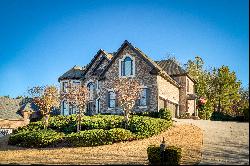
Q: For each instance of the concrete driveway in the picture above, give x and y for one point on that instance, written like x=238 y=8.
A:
x=224 y=142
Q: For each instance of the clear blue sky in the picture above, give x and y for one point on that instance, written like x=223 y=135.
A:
x=41 y=39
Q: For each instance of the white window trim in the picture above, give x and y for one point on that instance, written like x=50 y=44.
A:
x=96 y=105
x=61 y=84
x=120 y=61
x=111 y=90
x=143 y=106
x=86 y=84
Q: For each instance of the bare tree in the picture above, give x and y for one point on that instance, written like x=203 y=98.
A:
x=127 y=91
x=77 y=96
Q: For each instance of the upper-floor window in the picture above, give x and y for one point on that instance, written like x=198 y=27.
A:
x=76 y=83
x=127 y=66
x=111 y=99
x=143 y=97
x=187 y=85
x=91 y=88
x=64 y=86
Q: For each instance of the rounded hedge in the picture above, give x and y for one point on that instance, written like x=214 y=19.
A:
x=172 y=155
x=39 y=138
x=97 y=137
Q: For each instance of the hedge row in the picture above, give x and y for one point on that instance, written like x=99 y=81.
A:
x=95 y=137
x=145 y=127
x=39 y=138
x=163 y=113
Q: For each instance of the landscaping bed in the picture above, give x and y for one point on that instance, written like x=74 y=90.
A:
x=96 y=130
x=187 y=137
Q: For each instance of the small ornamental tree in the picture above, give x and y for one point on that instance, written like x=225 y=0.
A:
x=127 y=91
x=77 y=96
x=45 y=97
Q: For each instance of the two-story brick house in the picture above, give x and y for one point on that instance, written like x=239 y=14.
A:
x=164 y=83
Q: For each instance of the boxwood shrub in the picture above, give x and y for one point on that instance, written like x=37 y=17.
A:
x=145 y=127
x=119 y=134
x=172 y=155
x=165 y=113
x=39 y=138
x=97 y=137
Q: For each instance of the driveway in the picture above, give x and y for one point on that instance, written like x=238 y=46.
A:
x=224 y=142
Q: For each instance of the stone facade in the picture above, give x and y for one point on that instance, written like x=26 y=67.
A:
x=142 y=75
x=162 y=90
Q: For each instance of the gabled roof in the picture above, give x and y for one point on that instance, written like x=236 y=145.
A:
x=75 y=72
x=101 y=51
x=148 y=60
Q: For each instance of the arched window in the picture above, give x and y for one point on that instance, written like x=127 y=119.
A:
x=91 y=88
x=127 y=66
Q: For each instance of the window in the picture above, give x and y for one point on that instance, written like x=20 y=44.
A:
x=187 y=85
x=64 y=108
x=91 y=88
x=98 y=105
x=111 y=97
x=143 y=97
x=127 y=66
x=76 y=82
x=64 y=86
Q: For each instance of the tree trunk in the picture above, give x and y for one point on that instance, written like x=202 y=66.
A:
x=46 y=121
x=126 y=117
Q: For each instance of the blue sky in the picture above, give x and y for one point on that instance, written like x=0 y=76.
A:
x=41 y=39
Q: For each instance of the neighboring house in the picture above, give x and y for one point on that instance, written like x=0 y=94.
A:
x=15 y=113
x=164 y=83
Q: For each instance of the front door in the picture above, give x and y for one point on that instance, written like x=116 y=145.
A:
x=90 y=108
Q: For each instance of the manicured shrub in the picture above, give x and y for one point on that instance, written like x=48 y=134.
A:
x=220 y=116
x=93 y=137
x=145 y=127
x=172 y=155
x=165 y=113
x=39 y=138
x=33 y=126
x=97 y=137
x=119 y=134
x=154 y=154
x=105 y=122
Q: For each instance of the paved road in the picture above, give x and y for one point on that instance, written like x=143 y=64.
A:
x=224 y=142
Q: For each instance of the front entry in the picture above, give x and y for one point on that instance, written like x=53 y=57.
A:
x=90 y=108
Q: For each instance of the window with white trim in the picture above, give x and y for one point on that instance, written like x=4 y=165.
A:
x=127 y=66
x=98 y=105
x=76 y=82
x=64 y=108
x=91 y=88
x=64 y=86
x=111 y=99
x=143 y=97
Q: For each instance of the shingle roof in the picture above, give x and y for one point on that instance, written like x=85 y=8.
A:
x=171 y=67
x=76 y=72
x=9 y=108
x=12 y=108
